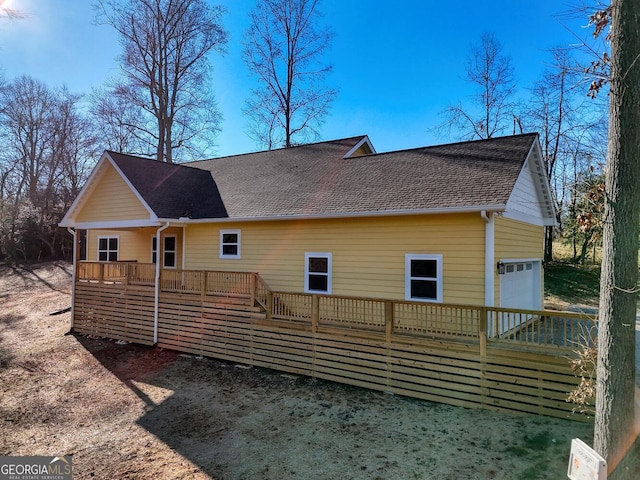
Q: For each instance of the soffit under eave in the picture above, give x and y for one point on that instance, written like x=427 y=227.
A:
x=543 y=187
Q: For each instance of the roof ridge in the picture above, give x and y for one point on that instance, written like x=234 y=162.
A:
x=359 y=137
x=156 y=162
x=479 y=140
x=453 y=144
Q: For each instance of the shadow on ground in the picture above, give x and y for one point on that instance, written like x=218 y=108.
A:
x=24 y=276
x=234 y=422
x=7 y=321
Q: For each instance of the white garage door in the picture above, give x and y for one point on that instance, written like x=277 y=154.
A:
x=520 y=285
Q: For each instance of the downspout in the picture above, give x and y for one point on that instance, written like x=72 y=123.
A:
x=156 y=306
x=184 y=243
x=73 y=233
x=489 y=258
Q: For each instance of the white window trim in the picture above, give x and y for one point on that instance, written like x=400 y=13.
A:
x=326 y=255
x=153 y=239
x=226 y=232
x=407 y=276
x=107 y=237
x=175 y=252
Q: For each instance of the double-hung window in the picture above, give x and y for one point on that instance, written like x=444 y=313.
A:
x=154 y=249
x=317 y=273
x=108 y=249
x=169 y=254
x=423 y=277
x=169 y=251
x=229 y=243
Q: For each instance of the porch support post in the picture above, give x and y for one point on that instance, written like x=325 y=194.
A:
x=74 y=275
x=156 y=306
x=489 y=265
x=489 y=258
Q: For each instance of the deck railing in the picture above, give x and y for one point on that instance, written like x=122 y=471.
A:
x=485 y=325
x=117 y=272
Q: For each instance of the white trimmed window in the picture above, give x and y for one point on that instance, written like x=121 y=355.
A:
x=154 y=249
x=317 y=273
x=169 y=251
x=108 y=249
x=423 y=277
x=229 y=243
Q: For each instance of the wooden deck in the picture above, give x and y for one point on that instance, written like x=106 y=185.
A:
x=443 y=353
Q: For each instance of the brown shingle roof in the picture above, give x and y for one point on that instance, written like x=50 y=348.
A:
x=171 y=190
x=315 y=179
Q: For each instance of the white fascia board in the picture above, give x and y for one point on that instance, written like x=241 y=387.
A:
x=365 y=140
x=143 y=222
x=380 y=213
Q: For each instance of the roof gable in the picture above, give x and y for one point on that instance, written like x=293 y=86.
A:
x=172 y=190
x=107 y=198
x=531 y=199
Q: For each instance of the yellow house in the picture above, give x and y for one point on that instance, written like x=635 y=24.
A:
x=416 y=272
x=461 y=223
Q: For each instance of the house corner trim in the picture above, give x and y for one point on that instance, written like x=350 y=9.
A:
x=489 y=258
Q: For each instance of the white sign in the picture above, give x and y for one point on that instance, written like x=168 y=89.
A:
x=585 y=463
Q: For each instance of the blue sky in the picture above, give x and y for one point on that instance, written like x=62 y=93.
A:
x=396 y=65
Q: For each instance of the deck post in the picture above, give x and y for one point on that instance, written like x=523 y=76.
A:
x=483 y=331
x=101 y=272
x=269 y=303
x=315 y=312
x=203 y=285
x=388 y=319
x=252 y=288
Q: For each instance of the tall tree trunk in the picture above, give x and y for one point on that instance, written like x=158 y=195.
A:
x=548 y=244
x=614 y=420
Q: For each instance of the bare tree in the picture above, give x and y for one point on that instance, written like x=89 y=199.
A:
x=165 y=69
x=117 y=122
x=614 y=420
x=551 y=113
x=492 y=111
x=26 y=114
x=47 y=149
x=283 y=48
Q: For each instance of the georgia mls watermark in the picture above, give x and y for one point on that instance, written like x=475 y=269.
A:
x=35 y=468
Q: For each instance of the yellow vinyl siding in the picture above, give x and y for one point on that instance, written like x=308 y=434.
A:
x=515 y=239
x=368 y=254
x=112 y=199
x=134 y=244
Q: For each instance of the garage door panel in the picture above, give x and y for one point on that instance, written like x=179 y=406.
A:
x=520 y=285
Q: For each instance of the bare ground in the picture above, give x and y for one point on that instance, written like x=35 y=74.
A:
x=126 y=411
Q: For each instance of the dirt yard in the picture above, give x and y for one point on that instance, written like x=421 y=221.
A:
x=131 y=412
